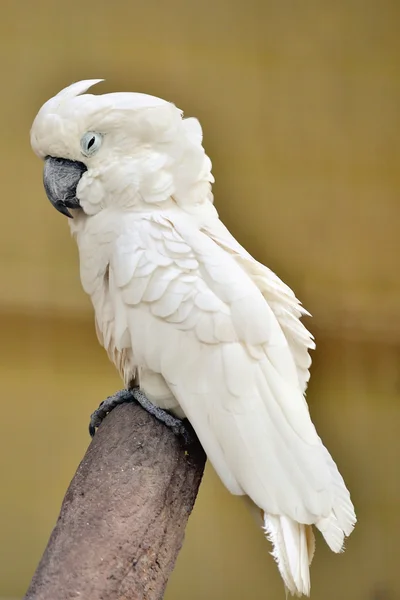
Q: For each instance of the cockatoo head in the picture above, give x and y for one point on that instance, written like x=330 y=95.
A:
x=121 y=150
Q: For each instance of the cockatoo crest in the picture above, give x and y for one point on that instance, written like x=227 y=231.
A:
x=149 y=154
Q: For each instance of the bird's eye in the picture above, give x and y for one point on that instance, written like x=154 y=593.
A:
x=90 y=142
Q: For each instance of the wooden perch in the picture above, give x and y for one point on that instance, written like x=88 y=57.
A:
x=123 y=518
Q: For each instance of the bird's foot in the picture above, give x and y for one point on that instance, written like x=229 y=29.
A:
x=180 y=427
x=106 y=407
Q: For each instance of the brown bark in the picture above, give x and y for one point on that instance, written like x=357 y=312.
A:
x=123 y=517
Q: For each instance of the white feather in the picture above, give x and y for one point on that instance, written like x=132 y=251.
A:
x=293 y=551
x=182 y=308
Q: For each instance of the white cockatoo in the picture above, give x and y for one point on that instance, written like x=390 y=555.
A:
x=183 y=311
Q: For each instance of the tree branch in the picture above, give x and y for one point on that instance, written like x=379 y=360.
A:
x=123 y=518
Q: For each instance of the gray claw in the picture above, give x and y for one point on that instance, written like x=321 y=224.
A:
x=180 y=428
x=107 y=406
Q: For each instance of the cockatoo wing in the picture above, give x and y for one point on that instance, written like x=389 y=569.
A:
x=194 y=315
x=283 y=302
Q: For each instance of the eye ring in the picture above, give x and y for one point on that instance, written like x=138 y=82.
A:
x=90 y=143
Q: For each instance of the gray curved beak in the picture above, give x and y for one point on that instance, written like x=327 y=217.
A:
x=60 y=179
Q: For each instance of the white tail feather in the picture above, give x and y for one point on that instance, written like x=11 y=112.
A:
x=293 y=550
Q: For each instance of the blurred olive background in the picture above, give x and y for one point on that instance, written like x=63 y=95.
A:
x=300 y=107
